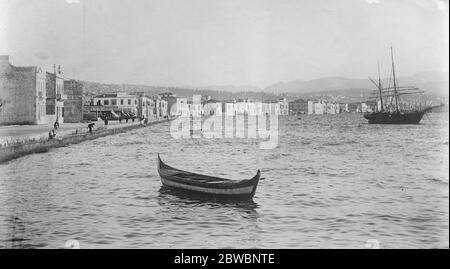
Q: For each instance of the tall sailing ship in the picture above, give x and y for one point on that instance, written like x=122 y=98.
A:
x=389 y=108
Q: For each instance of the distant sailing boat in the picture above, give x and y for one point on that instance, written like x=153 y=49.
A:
x=391 y=113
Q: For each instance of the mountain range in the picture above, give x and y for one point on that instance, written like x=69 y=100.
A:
x=433 y=82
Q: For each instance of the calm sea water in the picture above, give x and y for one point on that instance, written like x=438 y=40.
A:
x=333 y=182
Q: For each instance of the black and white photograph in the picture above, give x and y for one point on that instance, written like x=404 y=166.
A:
x=256 y=125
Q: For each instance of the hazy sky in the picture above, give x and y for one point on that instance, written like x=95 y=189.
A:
x=216 y=42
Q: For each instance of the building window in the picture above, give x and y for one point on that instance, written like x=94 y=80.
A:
x=113 y=102
x=129 y=101
x=121 y=102
x=106 y=102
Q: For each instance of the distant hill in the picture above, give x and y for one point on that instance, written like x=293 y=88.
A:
x=95 y=88
x=225 y=88
x=339 y=89
x=435 y=82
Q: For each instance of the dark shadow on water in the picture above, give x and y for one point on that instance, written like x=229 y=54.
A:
x=184 y=198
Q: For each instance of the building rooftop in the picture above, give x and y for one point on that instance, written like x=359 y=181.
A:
x=210 y=101
x=114 y=95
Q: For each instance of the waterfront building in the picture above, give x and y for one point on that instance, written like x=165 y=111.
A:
x=353 y=107
x=195 y=106
x=117 y=101
x=182 y=108
x=311 y=107
x=22 y=94
x=299 y=106
x=331 y=108
x=171 y=102
x=145 y=106
x=161 y=107
x=195 y=109
x=365 y=108
x=343 y=108
x=164 y=108
x=319 y=108
x=283 y=107
x=55 y=96
x=271 y=107
x=73 y=105
x=211 y=107
x=115 y=104
x=229 y=109
x=258 y=108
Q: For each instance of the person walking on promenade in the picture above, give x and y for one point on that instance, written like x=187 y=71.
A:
x=90 y=127
x=56 y=125
x=51 y=134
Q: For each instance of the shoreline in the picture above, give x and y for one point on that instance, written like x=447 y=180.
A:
x=30 y=147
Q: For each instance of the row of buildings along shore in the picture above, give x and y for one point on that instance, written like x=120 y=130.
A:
x=30 y=95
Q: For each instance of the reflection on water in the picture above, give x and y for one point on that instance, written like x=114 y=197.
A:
x=333 y=181
x=172 y=197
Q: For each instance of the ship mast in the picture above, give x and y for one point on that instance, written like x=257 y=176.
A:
x=395 y=81
x=379 y=88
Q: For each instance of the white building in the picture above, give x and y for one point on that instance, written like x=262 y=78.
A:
x=117 y=101
x=212 y=107
x=319 y=108
x=311 y=107
x=182 y=108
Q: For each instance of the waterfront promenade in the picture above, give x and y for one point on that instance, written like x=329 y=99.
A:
x=32 y=130
x=16 y=141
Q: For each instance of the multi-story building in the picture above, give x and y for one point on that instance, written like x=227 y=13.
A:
x=270 y=107
x=283 y=107
x=229 y=109
x=331 y=108
x=195 y=107
x=164 y=108
x=73 y=105
x=211 y=107
x=319 y=108
x=145 y=107
x=171 y=102
x=353 y=107
x=343 y=108
x=311 y=107
x=22 y=94
x=299 y=106
x=117 y=101
x=55 y=97
x=161 y=109
x=182 y=108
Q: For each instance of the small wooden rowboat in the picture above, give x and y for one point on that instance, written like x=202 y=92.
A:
x=202 y=184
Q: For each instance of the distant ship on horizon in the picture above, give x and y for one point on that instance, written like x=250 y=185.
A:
x=388 y=104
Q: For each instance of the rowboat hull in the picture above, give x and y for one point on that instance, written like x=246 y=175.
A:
x=207 y=185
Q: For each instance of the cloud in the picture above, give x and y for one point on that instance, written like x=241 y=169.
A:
x=373 y=1
x=73 y=1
